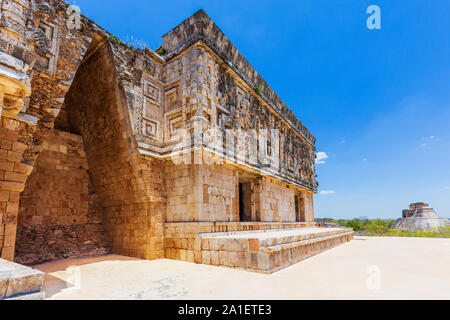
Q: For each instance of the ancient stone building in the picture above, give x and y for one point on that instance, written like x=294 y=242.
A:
x=420 y=217
x=184 y=153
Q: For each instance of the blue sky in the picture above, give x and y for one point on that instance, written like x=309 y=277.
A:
x=378 y=101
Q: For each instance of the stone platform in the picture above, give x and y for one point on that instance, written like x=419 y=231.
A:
x=18 y=282
x=264 y=250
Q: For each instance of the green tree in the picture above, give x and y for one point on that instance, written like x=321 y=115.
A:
x=355 y=224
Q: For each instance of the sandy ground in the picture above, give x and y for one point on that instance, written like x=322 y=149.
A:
x=366 y=268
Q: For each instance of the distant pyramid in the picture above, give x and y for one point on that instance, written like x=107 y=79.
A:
x=420 y=216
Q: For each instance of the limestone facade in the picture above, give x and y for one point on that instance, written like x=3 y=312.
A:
x=137 y=144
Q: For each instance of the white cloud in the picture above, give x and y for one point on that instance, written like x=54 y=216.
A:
x=343 y=142
x=446 y=188
x=327 y=192
x=431 y=140
x=321 y=157
x=365 y=159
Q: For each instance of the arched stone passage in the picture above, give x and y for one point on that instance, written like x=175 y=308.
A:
x=59 y=211
x=91 y=162
x=50 y=65
x=92 y=106
x=97 y=109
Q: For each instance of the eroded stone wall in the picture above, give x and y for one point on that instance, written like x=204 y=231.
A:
x=201 y=193
x=57 y=191
x=153 y=178
x=182 y=192
x=219 y=193
x=14 y=173
x=276 y=202
x=59 y=216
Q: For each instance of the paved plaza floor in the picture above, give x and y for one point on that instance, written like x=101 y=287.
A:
x=365 y=268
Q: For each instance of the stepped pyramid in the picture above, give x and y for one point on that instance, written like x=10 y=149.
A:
x=420 y=216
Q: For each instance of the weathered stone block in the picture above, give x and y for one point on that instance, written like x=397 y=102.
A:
x=206 y=257
x=4 y=195
x=243 y=259
x=223 y=258
x=190 y=256
x=214 y=244
x=242 y=245
x=263 y=261
x=182 y=254
x=214 y=255
x=198 y=244
x=253 y=245
x=253 y=262
x=205 y=244
x=3 y=286
x=224 y=245
x=198 y=257
x=18 y=280
x=233 y=260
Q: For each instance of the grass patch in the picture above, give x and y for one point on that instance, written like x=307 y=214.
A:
x=383 y=228
x=443 y=232
x=116 y=40
x=161 y=51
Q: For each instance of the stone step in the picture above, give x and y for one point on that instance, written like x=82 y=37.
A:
x=18 y=282
x=303 y=242
x=270 y=250
x=295 y=236
x=282 y=256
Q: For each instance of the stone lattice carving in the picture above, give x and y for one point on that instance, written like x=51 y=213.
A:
x=41 y=40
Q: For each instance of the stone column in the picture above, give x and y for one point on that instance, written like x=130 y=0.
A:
x=14 y=90
x=309 y=207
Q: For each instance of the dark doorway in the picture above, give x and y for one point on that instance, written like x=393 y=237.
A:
x=300 y=209
x=241 y=203
x=297 y=209
x=246 y=202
